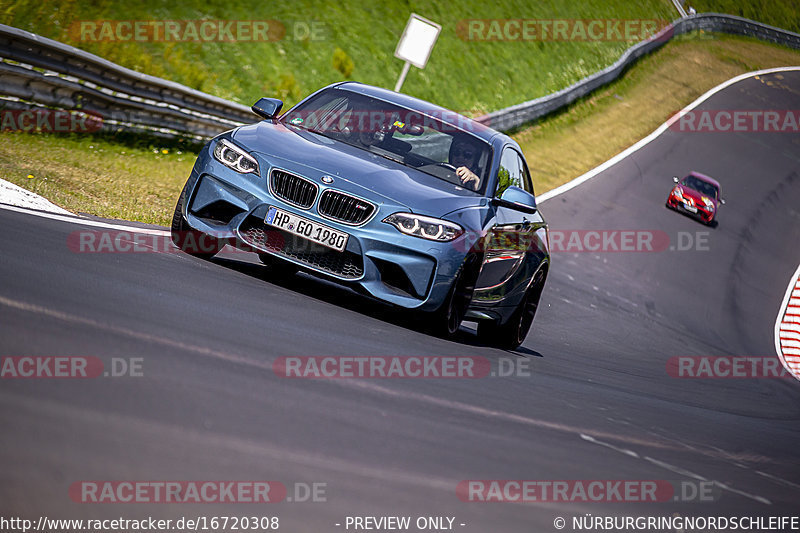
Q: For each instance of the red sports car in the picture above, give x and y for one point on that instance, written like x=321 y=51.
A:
x=697 y=195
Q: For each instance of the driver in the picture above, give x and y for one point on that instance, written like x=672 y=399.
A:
x=464 y=156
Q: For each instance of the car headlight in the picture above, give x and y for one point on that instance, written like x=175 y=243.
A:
x=709 y=203
x=677 y=191
x=234 y=157
x=433 y=229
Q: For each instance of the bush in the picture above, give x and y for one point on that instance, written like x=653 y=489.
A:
x=342 y=62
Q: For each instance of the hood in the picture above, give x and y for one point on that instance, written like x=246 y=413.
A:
x=354 y=170
x=697 y=196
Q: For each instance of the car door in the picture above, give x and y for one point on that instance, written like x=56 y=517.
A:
x=507 y=267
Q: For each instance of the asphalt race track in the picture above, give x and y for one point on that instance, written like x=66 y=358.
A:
x=598 y=402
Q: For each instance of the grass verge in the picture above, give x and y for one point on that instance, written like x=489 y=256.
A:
x=96 y=175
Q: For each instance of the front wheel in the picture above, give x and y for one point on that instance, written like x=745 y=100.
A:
x=511 y=335
x=447 y=319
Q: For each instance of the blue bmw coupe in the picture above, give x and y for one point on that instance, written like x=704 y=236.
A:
x=408 y=202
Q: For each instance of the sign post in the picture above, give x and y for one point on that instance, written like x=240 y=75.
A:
x=416 y=44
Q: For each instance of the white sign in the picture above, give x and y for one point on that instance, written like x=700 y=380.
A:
x=417 y=41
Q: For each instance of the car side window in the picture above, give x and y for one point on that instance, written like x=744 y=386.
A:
x=527 y=182
x=512 y=171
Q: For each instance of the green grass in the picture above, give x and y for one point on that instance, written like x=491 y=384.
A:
x=470 y=76
x=98 y=176
x=781 y=13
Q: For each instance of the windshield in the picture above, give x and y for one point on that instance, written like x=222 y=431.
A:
x=703 y=187
x=413 y=138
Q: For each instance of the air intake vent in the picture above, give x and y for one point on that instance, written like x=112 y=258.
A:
x=293 y=189
x=345 y=208
x=347 y=265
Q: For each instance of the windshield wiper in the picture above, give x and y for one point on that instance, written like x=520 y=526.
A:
x=387 y=154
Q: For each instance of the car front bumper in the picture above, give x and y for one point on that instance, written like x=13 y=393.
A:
x=701 y=212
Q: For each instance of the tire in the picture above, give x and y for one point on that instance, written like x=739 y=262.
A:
x=511 y=335
x=277 y=267
x=190 y=240
x=446 y=321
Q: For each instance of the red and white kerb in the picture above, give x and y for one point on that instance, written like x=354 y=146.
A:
x=787 y=327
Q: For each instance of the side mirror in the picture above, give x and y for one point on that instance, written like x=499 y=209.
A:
x=517 y=199
x=675 y=179
x=722 y=201
x=267 y=107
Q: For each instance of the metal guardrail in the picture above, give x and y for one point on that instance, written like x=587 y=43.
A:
x=517 y=115
x=37 y=72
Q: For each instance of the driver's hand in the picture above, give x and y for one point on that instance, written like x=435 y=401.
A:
x=467 y=176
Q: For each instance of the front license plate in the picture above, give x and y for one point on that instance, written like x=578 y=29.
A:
x=308 y=229
x=690 y=208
